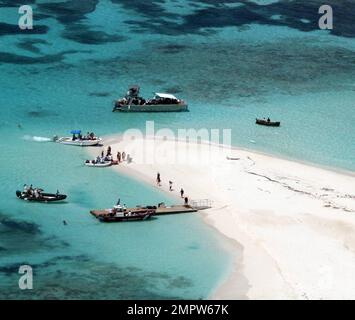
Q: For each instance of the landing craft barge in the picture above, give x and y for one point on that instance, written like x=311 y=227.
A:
x=120 y=214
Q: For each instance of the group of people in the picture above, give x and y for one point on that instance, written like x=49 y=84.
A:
x=121 y=156
x=182 y=191
x=139 y=101
x=156 y=101
x=31 y=192
x=88 y=136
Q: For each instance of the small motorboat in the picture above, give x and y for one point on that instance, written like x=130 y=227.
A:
x=78 y=140
x=120 y=214
x=39 y=196
x=98 y=164
x=267 y=122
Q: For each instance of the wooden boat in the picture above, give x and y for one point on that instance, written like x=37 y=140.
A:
x=43 y=197
x=268 y=123
x=122 y=214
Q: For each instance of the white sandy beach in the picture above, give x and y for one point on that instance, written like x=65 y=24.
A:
x=295 y=222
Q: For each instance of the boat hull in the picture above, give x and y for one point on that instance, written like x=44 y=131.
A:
x=141 y=217
x=152 y=108
x=267 y=123
x=45 y=197
x=80 y=143
x=134 y=214
x=99 y=165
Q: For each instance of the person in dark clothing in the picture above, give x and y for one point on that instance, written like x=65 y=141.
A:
x=108 y=151
x=182 y=192
x=158 y=179
x=186 y=201
x=170 y=185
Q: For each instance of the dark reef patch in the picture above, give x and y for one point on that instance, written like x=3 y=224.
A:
x=8 y=225
x=13 y=29
x=30 y=45
x=79 y=277
x=69 y=11
x=99 y=94
x=46 y=59
x=82 y=34
x=297 y=14
x=219 y=70
x=18 y=237
x=294 y=13
x=172 y=48
x=41 y=113
x=15 y=3
x=179 y=282
x=150 y=9
x=72 y=15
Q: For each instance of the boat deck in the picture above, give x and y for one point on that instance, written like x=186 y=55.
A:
x=165 y=210
x=98 y=213
x=174 y=210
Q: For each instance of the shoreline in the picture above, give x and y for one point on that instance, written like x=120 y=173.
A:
x=255 y=218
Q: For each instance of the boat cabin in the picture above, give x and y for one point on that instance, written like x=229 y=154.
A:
x=164 y=98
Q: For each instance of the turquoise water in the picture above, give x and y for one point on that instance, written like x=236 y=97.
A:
x=232 y=61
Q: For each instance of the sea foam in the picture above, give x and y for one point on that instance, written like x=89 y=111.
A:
x=36 y=139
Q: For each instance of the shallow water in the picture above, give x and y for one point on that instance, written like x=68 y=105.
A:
x=231 y=61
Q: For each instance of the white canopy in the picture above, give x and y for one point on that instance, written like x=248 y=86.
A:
x=165 y=96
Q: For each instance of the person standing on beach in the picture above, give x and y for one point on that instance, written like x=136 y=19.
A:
x=158 y=179
x=186 y=201
x=182 y=192
x=170 y=185
x=123 y=156
x=119 y=157
x=108 y=151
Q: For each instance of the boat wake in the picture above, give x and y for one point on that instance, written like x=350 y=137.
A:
x=36 y=139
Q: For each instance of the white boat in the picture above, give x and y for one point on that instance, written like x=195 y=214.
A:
x=78 y=140
x=100 y=164
x=162 y=102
